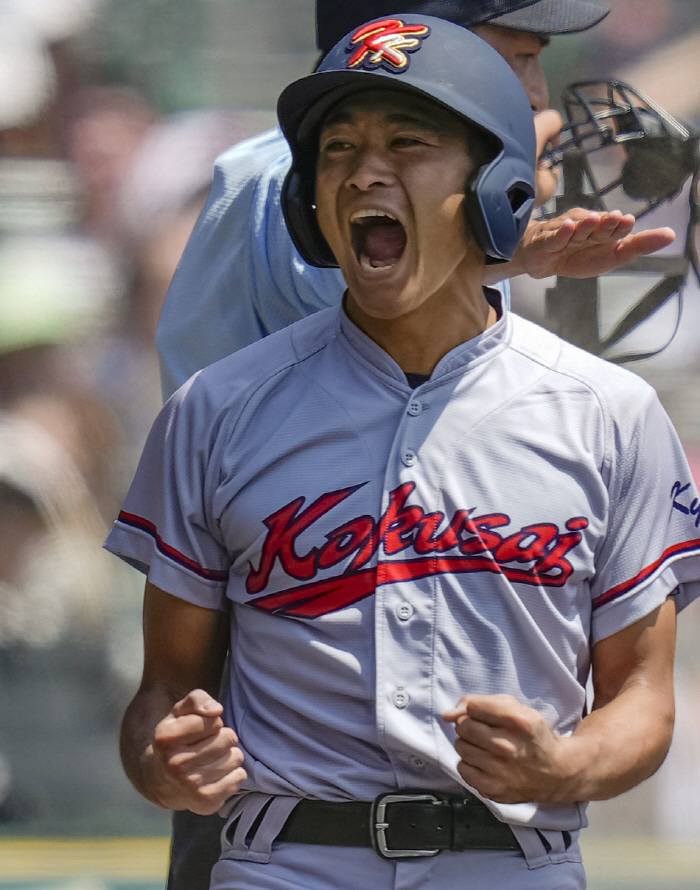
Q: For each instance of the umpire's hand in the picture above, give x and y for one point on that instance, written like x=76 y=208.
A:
x=197 y=763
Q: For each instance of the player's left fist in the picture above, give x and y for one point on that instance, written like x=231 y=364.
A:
x=507 y=750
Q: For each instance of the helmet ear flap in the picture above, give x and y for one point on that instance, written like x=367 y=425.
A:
x=498 y=210
x=299 y=210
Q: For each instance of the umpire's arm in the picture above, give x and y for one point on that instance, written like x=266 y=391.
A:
x=174 y=746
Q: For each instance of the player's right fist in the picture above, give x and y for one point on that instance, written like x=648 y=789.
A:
x=197 y=761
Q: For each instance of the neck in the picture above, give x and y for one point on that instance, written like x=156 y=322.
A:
x=418 y=340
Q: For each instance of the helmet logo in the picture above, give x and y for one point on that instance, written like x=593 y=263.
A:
x=386 y=44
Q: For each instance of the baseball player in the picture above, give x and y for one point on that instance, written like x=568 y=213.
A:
x=241 y=278
x=416 y=521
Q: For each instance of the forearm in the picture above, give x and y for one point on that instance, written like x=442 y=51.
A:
x=626 y=737
x=137 y=748
x=615 y=747
x=509 y=753
x=175 y=748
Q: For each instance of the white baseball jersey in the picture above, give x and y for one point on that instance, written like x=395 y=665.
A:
x=385 y=550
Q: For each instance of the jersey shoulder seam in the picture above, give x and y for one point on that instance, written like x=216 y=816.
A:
x=524 y=331
x=283 y=343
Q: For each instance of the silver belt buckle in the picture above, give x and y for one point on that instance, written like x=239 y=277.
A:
x=380 y=825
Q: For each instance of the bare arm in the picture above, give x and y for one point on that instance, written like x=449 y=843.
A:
x=510 y=754
x=548 y=124
x=174 y=746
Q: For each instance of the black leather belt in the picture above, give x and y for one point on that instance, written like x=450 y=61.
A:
x=400 y=826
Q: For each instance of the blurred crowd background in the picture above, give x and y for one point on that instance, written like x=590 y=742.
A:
x=111 y=115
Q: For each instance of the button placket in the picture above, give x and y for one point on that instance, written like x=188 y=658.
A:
x=400 y=699
x=414 y=408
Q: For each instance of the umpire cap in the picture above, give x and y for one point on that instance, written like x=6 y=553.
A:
x=334 y=19
x=444 y=63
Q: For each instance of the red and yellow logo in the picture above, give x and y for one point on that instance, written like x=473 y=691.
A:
x=387 y=44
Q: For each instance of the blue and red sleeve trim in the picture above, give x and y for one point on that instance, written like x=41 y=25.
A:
x=144 y=525
x=686 y=548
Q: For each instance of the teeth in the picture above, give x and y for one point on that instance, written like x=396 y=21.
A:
x=368 y=267
x=374 y=266
x=363 y=214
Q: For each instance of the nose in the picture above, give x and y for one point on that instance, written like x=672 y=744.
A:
x=535 y=84
x=372 y=169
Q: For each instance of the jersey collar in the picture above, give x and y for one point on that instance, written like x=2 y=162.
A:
x=458 y=361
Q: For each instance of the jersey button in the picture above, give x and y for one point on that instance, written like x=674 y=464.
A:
x=400 y=698
x=415 y=408
x=404 y=611
x=416 y=762
x=408 y=457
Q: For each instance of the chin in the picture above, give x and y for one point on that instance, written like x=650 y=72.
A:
x=383 y=306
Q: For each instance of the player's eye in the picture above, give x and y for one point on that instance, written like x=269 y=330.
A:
x=335 y=146
x=406 y=140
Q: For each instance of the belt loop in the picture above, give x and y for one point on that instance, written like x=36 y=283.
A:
x=459 y=820
x=246 y=810
x=533 y=849
x=559 y=844
x=546 y=846
x=274 y=818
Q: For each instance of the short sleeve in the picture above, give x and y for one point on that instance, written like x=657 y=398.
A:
x=166 y=528
x=651 y=548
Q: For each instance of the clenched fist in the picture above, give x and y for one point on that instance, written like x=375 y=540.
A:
x=508 y=751
x=197 y=763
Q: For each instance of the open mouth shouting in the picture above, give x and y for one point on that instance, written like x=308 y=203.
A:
x=378 y=239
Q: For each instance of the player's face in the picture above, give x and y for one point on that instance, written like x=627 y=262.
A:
x=391 y=175
x=522 y=51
